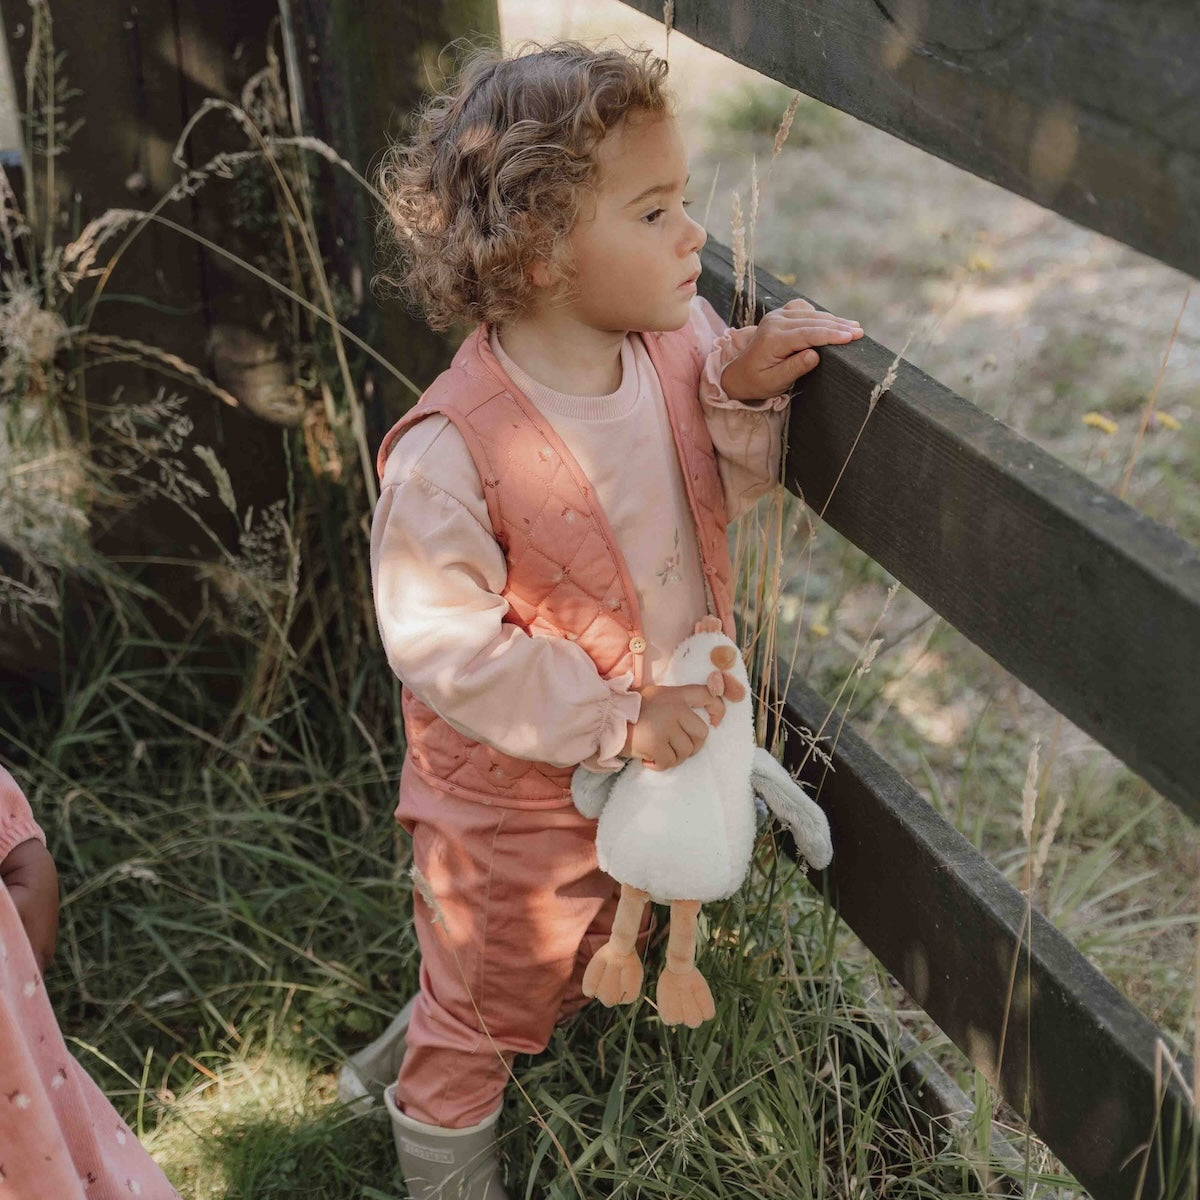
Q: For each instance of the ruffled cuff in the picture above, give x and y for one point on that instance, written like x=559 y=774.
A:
x=725 y=349
x=16 y=831
x=623 y=708
x=16 y=818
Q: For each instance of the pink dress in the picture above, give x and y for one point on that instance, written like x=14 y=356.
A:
x=60 y=1138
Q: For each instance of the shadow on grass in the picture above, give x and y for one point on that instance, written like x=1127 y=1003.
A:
x=328 y=1154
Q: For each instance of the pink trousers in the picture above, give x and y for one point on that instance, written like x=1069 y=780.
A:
x=509 y=906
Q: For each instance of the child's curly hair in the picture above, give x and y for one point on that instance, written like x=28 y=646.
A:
x=491 y=182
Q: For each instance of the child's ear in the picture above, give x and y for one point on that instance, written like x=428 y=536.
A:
x=539 y=274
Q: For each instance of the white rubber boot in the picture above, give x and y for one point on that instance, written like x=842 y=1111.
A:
x=364 y=1075
x=446 y=1164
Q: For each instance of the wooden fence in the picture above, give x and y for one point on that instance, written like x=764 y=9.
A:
x=1089 y=108
x=137 y=74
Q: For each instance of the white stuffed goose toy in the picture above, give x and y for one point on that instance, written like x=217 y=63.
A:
x=684 y=836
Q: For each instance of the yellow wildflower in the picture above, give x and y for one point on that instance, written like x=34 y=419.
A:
x=1100 y=421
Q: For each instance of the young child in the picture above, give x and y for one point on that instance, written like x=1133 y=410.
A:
x=552 y=523
x=59 y=1136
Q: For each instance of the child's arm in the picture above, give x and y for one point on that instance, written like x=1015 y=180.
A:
x=27 y=870
x=438 y=573
x=745 y=416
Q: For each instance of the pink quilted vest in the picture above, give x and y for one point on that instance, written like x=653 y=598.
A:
x=566 y=575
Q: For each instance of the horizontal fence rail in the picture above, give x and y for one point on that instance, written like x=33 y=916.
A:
x=1093 y=605
x=1090 y=108
x=1064 y=1047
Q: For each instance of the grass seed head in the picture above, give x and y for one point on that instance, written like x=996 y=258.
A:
x=869 y=657
x=1047 y=838
x=425 y=889
x=1029 y=794
x=29 y=334
x=738 y=230
x=785 y=126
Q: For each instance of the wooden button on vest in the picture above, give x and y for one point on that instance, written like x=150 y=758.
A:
x=637 y=643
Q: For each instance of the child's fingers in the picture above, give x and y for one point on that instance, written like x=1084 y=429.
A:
x=697 y=695
x=782 y=318
x=817 y=329
x=805 y=361
x=675 y=748
x=779 y=377
x=696 y=728
x=684 y=740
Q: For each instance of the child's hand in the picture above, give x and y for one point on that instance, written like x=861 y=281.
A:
x=29 y=874
x=668 y=730
x=781 y=350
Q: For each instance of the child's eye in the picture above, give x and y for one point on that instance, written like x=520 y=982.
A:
x=651 y=218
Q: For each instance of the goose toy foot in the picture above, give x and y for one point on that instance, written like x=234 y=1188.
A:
x=613 y=977
x=684 y=998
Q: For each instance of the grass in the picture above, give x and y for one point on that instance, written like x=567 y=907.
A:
x=213 y=961
x=210 y=948
x=755 y=109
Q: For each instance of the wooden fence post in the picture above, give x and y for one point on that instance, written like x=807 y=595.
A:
x=361 y=80
x=137 y=72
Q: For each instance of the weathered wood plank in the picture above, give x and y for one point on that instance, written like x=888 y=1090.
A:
x=1090 y=108
x=135 y=77
x=359 y=91
x=1093 y=605
x=948 y=926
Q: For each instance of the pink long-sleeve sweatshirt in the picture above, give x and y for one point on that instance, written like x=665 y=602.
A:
x=438 y=571
x=60 y=1138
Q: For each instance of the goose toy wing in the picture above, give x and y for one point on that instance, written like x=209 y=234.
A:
x=793 y=806
x=590 y=790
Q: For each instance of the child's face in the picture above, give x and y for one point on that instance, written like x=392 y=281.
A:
x=636 y=251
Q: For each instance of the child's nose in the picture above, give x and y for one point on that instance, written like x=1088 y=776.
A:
x=695 y=237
